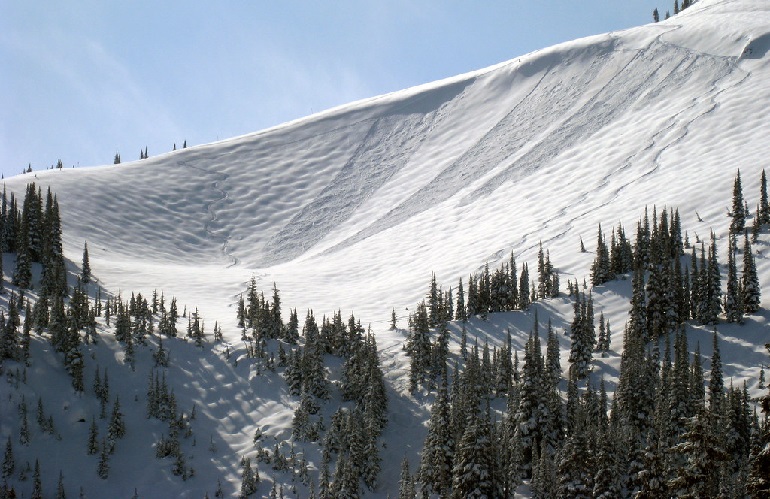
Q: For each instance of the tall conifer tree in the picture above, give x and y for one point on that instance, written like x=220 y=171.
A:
x=738 y=211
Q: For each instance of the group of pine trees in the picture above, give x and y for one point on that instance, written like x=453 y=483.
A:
x=142 y=153
x=677 y=10
x=666 y=432
x=350 y=440
x=667 y=287
x=67 y=317
x=33 y=232
x=498 y=291
x=503 y=290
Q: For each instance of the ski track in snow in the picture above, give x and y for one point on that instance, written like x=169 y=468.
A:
x=212 y=210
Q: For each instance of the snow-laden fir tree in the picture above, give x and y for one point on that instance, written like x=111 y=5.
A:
x=22 y=276
x=733 y=302
x=117 y=427
x=524 y=295
x=461 y=313
x=249 y=479
x=419 y=348
x=713 y=285
x=473 y=474
x=8 y=334
x=758 y=480
x=603 y=339
x=85 y=269
x=756 y=225
x=371 y=460
x=544 y=480
x=406 y=489
x=37 y=485
x=750 y=288
x=574 y=475
x=583 y=336
x=345 y=483
x=435 y=471
x=601 y=271
x=26 y=337
x=532 y=402
x=702 y=455
x=738 y=211
x=93 y=438
x=24 y=434
x=763 y=210
x=716 y=387
x=607 y=479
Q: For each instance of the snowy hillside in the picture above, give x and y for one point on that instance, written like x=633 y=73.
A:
x=354 y=208
x=445 y=176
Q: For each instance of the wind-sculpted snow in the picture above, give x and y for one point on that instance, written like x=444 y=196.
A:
x=387 y=147
x=757 y=48
x=652 y=71
x=545 y=94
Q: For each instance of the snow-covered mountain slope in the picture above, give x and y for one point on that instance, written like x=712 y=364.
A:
x=354 y=208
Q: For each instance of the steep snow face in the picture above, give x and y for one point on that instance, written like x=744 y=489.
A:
x=355 y=207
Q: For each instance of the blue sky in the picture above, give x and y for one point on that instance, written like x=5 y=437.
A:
x=82 y=81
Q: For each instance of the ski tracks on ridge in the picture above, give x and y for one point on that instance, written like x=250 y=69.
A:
x=527 y=139
x=677 y=128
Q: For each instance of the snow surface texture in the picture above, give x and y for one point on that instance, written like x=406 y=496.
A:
x=353 y=208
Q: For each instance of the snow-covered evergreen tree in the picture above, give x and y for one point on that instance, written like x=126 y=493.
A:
x=474 y=464
x=733 y=305
x=85 y=269
x=117 y=427
x=713 y=285
x=702 y=455
x=750 y=288
x=574 y=475
x=764 y=207
x=103 y=468
x=737 y=212
x=524 y=295
x=37 y=484
x=601 y=268
x=583 y=336
x=249 y=479
x=435 y=471
x=758 y=480
x=716 y=386
x=93 y=438
x=406 y=489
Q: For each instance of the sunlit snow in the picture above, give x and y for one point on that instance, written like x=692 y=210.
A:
x=353 y=208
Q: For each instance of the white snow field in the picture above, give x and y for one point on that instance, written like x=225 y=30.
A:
x=353 y=208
